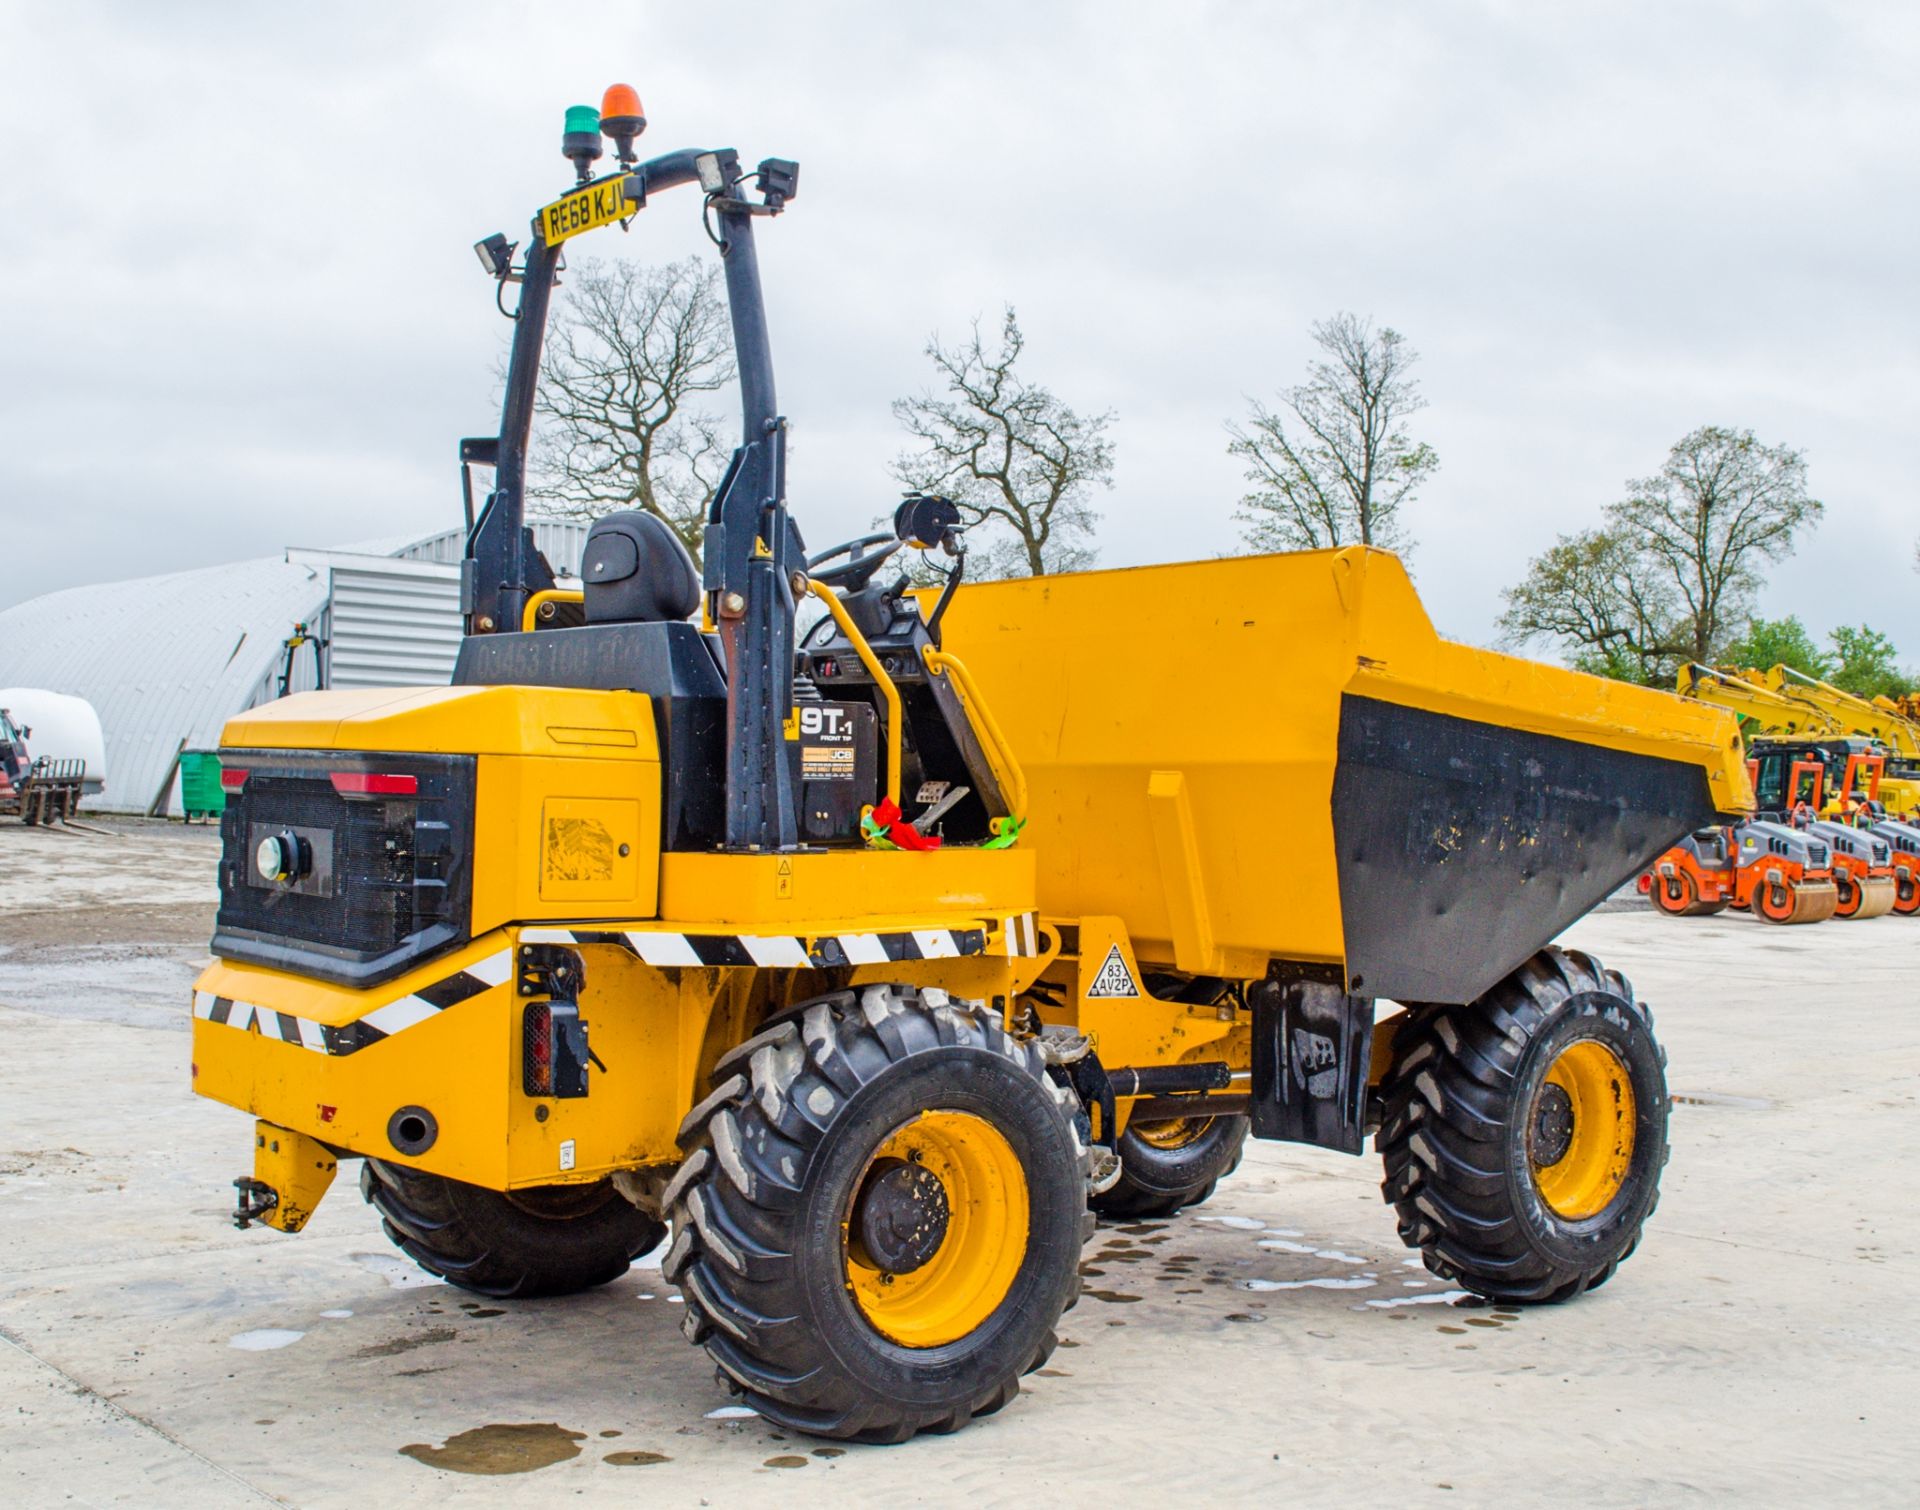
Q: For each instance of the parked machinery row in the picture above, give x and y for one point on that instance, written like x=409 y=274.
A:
x=1835 y=790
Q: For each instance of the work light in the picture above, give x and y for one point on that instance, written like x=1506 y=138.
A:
x=495 y=254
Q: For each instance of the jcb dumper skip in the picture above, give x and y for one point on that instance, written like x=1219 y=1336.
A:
x=871 y=968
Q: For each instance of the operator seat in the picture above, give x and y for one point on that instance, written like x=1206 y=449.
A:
x=636 y=571
x=639 y=589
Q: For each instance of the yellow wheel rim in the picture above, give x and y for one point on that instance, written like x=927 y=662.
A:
x=1581 y=1130
x=980 y=1249
x=1175 y=1132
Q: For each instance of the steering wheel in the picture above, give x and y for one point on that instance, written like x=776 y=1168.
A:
x=862 y=561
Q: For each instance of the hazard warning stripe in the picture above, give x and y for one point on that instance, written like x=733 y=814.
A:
x=774 y=951
x=382 y=1022
x=1022 y=933
x=1019 y=934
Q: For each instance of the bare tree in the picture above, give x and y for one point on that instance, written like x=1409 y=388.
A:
x=1672 y=575
x=1721 y=507
x=1021 y=464
x=630 y=350
x=1591 y=593
x=1336 y=472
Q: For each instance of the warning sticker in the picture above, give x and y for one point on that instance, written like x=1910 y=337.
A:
x=1114 y=979
x=827 y=763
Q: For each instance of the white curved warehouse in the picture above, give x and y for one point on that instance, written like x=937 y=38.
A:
x=167 y=660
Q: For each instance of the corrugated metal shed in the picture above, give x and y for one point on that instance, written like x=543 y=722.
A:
x=395 y=623
x=562 y=541
x=165 y=661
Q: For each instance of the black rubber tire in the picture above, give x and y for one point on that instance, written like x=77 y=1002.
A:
x=557 y=1240
x=1157 y=1182
x=775 y=1156
x=1454 y=1138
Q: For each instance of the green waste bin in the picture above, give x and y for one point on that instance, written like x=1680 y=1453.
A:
x=200 y=791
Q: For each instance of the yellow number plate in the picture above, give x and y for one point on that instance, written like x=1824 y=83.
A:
x=584 y=210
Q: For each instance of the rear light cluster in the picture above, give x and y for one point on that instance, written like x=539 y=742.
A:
x=346 y=783
x=537 y=1072
x=374 y=784
x=555 y=1054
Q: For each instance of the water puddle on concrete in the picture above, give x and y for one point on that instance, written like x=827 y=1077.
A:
x=398 y=1345
x=1322 y=1282
x=1437 y=1298
x=499 y=1449
x=1719 y=1098
x=786 y=1460
x=265 y=1340
x=397 y=1272
x=635 y=1459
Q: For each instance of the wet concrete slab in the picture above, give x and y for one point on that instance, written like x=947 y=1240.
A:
x=1759 y=1345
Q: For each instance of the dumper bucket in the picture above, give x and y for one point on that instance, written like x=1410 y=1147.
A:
x=1277 y=758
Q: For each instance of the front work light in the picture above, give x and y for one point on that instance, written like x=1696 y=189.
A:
x=495 y=254
x=580 y=139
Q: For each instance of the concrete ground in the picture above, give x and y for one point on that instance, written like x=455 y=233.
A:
x=1761 y=1344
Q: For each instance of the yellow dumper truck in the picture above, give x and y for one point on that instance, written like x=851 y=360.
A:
x=870 y=962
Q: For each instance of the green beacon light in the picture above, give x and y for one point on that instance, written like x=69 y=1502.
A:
x=580 y=139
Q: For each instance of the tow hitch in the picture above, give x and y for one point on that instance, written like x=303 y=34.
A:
x=291 y=1172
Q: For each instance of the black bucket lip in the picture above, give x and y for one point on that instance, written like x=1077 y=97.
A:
x=1464 y=846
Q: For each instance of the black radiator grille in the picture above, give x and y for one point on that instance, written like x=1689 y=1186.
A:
x=389 y=876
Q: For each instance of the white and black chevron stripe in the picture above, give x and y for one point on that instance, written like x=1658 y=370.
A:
x=1020 y=935
x=382 y=1022
x=773 y=951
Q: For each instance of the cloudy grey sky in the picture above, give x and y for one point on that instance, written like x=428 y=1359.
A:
x=241 y=309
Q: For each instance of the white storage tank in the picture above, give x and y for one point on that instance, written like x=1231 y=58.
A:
x=59 y=727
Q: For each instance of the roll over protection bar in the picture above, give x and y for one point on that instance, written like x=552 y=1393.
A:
x=753 y=555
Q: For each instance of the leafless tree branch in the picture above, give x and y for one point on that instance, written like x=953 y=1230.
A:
x=629 y=352
x=1338 y=465
x=1020 y=463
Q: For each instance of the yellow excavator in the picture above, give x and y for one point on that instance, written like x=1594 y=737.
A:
x=1848 y=714
x=1811 y=722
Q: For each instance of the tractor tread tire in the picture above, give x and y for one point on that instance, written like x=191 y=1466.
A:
x=481 y=1241
x=739 y=1210
x=1446 y=1139
x=1157 y=1182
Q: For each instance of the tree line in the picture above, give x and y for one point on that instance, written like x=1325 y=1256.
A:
x=1670 y=573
